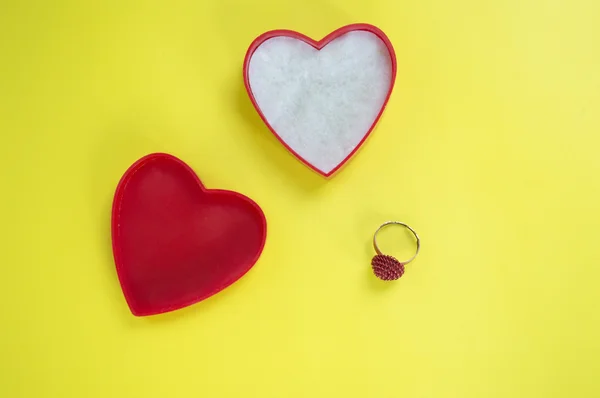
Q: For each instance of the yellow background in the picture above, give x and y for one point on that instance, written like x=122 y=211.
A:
x=489 y=149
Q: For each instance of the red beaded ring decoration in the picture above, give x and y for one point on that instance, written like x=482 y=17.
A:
x=387 y=267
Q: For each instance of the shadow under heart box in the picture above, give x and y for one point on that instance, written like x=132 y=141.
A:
x=321 y=99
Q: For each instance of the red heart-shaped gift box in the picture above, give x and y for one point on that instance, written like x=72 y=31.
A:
x=175 y=242
x=321 y=99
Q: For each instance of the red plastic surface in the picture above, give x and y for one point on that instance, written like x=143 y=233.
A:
x=320 y=45
x=175 y=242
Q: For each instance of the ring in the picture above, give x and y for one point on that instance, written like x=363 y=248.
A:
x=387 y=267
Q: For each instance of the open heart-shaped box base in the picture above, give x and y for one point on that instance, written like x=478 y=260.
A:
x=323 y=98
x=175 y=242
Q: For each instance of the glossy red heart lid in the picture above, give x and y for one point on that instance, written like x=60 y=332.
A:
x=175 y=242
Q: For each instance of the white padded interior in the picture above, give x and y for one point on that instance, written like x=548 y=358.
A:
x=321 y=103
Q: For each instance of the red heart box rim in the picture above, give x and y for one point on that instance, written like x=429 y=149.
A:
x=119 y=192
x=319 y=45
